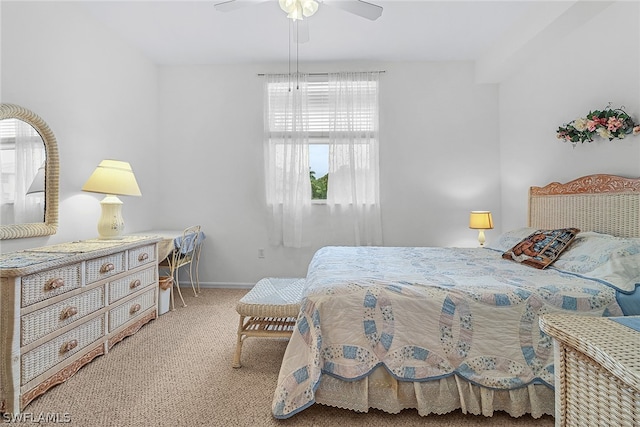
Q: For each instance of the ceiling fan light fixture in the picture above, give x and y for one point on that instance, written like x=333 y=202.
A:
x=295 y=15
x=309 y=7
x=296 y=9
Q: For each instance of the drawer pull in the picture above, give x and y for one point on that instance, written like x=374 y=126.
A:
x=135 y=308
x=107 y=267
x=135 y=284
x=68 y=346
x=143 y=257
x=68 y=312
x=53 y=284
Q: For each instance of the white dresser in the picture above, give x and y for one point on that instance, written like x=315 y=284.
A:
x=63 y=305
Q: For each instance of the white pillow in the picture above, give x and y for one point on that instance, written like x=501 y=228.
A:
x=614 y=260
x=509 y=239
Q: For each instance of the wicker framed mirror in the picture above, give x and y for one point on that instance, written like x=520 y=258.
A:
x=15 y=223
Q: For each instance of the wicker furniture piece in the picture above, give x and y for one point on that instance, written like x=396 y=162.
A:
x=597 y=370
x=268 y=310
x=63 y=305
x=607 y=204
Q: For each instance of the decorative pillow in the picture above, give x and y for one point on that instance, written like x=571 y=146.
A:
x=509 y=238
x=610 y=259
x=542 y=247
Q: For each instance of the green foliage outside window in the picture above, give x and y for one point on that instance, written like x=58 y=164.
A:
x=319 y=186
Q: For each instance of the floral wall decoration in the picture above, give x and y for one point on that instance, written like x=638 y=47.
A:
x=608 y=123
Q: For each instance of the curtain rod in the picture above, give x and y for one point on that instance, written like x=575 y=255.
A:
x=326 y=74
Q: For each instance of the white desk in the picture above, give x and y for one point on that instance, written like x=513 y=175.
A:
x=167 y=244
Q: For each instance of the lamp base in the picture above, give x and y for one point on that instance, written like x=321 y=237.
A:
x=481 y=238
x=111 y=223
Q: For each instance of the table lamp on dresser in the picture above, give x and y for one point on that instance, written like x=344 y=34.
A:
x=113 y=178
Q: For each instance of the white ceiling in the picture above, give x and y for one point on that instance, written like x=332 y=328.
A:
x=183 y=32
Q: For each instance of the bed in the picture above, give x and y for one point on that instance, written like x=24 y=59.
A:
x=440 y=329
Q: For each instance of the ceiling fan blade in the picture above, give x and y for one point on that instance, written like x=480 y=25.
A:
x=230 y=5
x=359 y=7
x=301 y=31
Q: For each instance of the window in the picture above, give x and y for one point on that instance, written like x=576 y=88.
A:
x=322 y=118
x=321 y=144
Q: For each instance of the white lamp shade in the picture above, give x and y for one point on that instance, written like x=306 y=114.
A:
x=37 y=185
x=480 y=220
x=113 y=177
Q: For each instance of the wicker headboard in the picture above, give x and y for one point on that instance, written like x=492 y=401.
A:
x=603 y=203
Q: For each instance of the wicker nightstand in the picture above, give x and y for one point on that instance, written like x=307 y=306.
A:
x=597 y=362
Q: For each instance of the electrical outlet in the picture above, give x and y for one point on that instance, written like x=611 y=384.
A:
x=260 y=253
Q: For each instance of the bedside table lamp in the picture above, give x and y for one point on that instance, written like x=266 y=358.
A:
x=480 y=220
x=113 y=178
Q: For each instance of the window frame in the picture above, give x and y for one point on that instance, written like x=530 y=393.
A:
x=320 y=118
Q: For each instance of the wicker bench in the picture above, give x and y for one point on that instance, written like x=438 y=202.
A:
x=268 y=310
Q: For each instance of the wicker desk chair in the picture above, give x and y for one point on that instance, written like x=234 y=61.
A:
x=186 y=254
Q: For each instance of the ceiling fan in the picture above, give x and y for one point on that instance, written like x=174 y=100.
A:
x=297 y=10
x=358 y=7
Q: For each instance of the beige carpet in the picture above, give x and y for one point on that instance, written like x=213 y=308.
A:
x=176 y=371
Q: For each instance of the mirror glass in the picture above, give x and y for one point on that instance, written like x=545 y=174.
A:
x=29 y=175
x=22 y=159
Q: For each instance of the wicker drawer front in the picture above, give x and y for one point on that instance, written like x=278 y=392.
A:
x=42 y=322
x=142 y=255
x=101 y=268
x=131 y=309
x=128 y=285
x=41 y=286
x=46 y=356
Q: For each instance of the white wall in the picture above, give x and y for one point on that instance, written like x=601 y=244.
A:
x=596 y=64
x=98 y=96
x=438 y=161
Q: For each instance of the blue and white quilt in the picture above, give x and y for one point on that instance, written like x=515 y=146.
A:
x=425 y=314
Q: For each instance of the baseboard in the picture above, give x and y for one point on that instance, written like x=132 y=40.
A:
x=218 y=285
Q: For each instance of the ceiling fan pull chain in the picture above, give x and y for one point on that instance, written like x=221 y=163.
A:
x=290 y=26
x=297 y=56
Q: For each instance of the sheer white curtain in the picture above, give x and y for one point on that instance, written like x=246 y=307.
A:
x=30 y=155
x=353 y=153
x=286 y=148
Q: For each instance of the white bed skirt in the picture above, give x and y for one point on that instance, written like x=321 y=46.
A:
x=381 y=391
